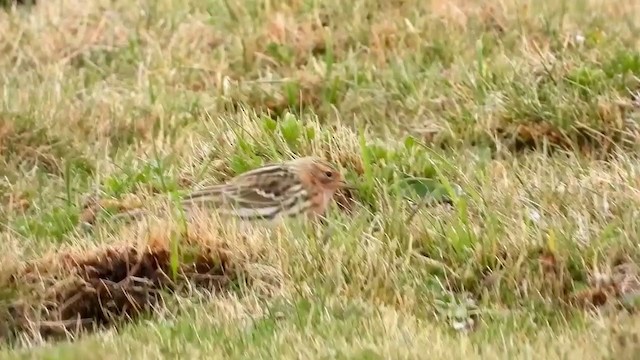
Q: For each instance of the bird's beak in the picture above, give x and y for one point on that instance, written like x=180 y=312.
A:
x=346 y=185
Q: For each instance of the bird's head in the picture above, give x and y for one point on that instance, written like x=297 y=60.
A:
x=322 y=173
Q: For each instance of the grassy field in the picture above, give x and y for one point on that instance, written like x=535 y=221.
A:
x=531 y=108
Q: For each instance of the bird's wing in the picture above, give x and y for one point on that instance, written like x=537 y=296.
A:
x=236 y=199
x=256 y=202
x=261 y=193
x=267 y=194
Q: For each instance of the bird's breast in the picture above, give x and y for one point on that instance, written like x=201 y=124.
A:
x=321 y=201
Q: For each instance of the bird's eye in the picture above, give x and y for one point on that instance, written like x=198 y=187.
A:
x=328 y=174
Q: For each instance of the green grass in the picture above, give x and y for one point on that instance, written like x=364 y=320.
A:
x=531 y=108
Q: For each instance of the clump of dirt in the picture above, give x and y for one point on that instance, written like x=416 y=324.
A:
x=587 y=141
x=579 y=288
x=66 y=294
x=539 y=274
x=298 y=91
x=519 y=137
x=614 y=288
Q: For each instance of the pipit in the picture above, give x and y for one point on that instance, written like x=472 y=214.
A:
x=303 y=186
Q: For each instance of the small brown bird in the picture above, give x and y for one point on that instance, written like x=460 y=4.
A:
x=301 y=186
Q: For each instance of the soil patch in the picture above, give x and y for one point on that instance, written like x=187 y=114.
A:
x=62 y=295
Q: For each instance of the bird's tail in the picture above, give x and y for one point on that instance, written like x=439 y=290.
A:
x=210 y=195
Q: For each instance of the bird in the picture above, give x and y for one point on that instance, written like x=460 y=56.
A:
x=303 y=186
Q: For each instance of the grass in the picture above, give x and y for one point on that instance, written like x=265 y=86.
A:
x=531 y=108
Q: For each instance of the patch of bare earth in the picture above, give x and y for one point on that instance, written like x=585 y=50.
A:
x=65 y=294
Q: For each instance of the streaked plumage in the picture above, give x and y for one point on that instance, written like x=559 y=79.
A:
x=301 y=186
